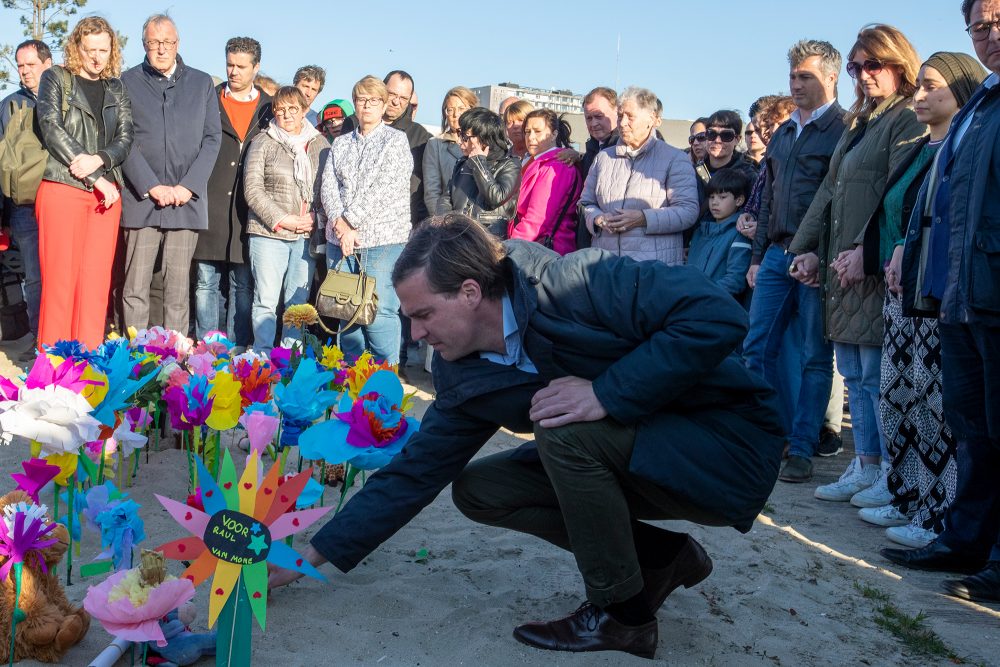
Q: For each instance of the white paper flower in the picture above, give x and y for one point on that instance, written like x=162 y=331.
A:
x=56 y=417
x=127 y=439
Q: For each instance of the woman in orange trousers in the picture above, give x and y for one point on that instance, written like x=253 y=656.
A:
x=85 y=119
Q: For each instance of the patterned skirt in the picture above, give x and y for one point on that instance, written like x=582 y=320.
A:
x=921 y=446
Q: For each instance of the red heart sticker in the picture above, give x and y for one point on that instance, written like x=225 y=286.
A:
x=181 y=548
x=295 y=522
x=190 y=578
x=284 y=499
x=219 y=591
x=187 y=517
x=298 y=563
x=268 y=491
x=247 y=485
x=256 y=595
x=208 y=494
x=227 y=485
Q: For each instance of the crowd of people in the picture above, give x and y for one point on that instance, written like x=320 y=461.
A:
x=857 y=233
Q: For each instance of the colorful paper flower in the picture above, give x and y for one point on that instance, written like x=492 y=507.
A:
x=121 y=529
x=367 y=432
x=301 y=315
x=189 y=405
x=58 y=418
x=240 y=532
x=362 y=369
x=226 y=402
x=37 y=473
x=126 y=439
x=303 y=400
x=332 y=358
x=256 y=378
x=8 y=390
x=129 y=607
x=64 y=373
x=120 y=385
x=261 y=428
x=24 y=532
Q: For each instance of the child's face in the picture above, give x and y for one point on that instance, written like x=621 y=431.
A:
x=723 y=204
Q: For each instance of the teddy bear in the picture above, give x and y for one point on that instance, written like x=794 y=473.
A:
x=183 y=646
x=50 y=625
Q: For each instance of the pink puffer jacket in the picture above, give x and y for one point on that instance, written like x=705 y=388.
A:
x=549 y=188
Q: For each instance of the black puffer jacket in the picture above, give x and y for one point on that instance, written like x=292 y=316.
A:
x=65 y=138
x=486 y=190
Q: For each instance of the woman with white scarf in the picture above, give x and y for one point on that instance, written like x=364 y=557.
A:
x=282 y=183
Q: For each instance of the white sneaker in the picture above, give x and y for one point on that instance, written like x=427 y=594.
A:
x=887 y=515
x=857 y=477
x=878 y=494
x=911 y=535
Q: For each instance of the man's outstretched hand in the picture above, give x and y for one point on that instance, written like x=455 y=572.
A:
x=279 y=576
x=566 y=400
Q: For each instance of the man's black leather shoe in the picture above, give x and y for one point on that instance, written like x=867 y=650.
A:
x=590 y=628
x=690 y=566
x=936 y=557
x=983 y=586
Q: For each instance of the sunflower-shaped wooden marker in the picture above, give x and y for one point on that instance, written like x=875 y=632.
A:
x=237 y=535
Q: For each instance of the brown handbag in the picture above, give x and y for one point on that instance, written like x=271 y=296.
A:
x=349 y=297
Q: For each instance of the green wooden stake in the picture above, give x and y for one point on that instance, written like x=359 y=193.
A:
x=284 y=459
x=18 y=614
x=69 y=517
x=100 y=468
x=218 y=451
x=232 y=643
x=186 y=445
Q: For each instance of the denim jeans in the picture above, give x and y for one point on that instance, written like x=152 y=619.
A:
x=776 y=298
x=970 y=366
x=277 y=264
x=208 y=300
x=24 y=232
x=861 y=366
x=382 y=337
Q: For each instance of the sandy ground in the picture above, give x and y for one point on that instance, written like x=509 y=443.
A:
x=784 y=594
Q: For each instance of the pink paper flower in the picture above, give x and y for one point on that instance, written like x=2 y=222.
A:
x=123 y=619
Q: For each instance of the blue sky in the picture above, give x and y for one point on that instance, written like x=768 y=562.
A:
x=697 y=56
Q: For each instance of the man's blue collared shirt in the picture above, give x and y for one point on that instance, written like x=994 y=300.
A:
x=515 y=355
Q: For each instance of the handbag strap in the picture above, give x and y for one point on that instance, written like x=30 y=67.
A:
x=565 y=209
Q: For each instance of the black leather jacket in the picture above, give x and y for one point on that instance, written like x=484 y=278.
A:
x=65 y=138
x=485 y=190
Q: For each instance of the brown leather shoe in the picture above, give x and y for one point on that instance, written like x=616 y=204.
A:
x=690 y=566
x=590 y=628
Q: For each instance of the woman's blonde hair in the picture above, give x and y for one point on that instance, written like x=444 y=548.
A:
x=517 y=111
x=462 y=93
x=886 y=44
x=92 y=25
x=370 y=85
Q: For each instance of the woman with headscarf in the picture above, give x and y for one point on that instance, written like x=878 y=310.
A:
x=881 y=131
x=281 y=184
x=923 y=471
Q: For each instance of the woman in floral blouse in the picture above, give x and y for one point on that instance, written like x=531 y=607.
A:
x=366 y=196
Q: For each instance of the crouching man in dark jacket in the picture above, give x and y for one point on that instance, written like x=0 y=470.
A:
x=625 y=372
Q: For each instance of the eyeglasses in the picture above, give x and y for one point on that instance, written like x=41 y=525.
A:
x=368 y=101
x=749 y=133
x=466 y=137
x=455 y=111
x=286 y=111
x=401 y=99
x=696 y=138
x=725 y=135
x=981 y=30
x=154 y=44
x=870 y=66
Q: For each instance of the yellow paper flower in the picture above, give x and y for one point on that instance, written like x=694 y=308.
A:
x=94 y=393
x=300 y=315
x=363 y=369
x=332 y=356
x=227 y=403
x=67 y=463
x=132 y=587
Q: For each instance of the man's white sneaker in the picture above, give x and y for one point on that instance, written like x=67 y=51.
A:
x=887 y=515
x=911 y=535
x=878 y=494
x=857 y=477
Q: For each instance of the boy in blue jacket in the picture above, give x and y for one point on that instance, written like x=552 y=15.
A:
x=717 y=247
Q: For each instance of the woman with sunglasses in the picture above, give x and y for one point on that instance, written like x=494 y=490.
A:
x=921 y=484
x=696 y=140
x=721 y=139
x=485 y=182
x=881 y=129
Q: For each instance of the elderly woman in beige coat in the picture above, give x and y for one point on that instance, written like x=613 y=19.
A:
x=281 y=183
x=641 y=194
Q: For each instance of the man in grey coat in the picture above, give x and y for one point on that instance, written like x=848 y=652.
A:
x=177 y=134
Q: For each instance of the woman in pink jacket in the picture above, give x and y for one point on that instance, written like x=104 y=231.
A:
x=546 y=206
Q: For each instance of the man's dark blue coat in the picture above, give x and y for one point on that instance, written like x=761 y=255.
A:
x=657 y=342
